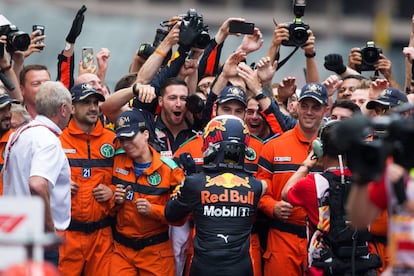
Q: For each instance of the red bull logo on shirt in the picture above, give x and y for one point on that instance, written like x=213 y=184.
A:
x=228 y=180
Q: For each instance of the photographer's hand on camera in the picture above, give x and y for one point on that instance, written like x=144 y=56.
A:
x=223 y=31
x=354 y=58
x=252 y=43
x=280 y=34
x=384 y=66
x=309 y=46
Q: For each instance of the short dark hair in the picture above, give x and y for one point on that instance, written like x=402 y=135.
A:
x=171 y=81
x=30 y=67
x=348 y=104
x=125 y=81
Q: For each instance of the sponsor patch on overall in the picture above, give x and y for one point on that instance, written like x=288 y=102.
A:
x=107 y=150
x=154 y=179
x=282 y=158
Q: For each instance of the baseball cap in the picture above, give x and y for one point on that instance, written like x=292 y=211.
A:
x=5 y=100
x=83 y=90
x=390 y=97
x=316 y=91
x=129 y=123
x=232 y=93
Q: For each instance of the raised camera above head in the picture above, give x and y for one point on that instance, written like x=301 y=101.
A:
x=298 y=30
x=194 y=21
x=16 y=40
x=370 y=55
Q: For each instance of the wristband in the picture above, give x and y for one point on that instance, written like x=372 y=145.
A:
x=310 y=55
x=134 y=89
x=7 y=68
x=161 y=53
x=259 y=96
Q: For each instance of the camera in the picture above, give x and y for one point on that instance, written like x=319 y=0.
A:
x=298 y=30
x=146 y=49
x=370 y=55
x=367 y=159
x=194 y=22
x=194 y=104
x=16 y=40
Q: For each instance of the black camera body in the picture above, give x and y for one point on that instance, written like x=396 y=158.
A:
x=370 y=55
x=298 y=30
x=367 y=159
x=146 y=49
x=194 y=21
x=16 y=40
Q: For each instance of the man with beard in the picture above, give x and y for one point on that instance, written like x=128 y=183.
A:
x=5 y=128
x=89 y=149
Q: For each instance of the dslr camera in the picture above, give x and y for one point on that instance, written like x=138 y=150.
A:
x=16 y=40
x=193 y=22
x=146 y=49
x=298 y=30
x=370 y=55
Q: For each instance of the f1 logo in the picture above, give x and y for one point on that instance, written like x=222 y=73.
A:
x=8 y=223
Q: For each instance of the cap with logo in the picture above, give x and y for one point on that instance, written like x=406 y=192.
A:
x=232 y=93
x=390 y=97
x=83 y=90
x=129 y=123
x=5 y=100
x=316 y=91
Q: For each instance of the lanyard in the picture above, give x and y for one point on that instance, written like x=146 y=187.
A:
x=16 y=136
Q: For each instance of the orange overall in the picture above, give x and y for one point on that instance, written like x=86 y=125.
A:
x=286 y=252
x=3 y=142
x=88 y=239
x=142 y=246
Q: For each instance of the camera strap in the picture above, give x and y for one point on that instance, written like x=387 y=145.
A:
x=283 y=61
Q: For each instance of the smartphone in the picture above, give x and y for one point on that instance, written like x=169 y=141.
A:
x=241 y=27
x=42 y=32
x=87 y=57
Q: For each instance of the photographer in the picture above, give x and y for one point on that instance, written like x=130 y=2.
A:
x=382 y=64
x=8 y=75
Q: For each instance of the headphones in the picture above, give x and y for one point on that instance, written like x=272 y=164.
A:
x=317 y=144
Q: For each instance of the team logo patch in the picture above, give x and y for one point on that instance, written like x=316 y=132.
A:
x=107 y=150
x=250 y=154
x=282 y=159
x=154 y=179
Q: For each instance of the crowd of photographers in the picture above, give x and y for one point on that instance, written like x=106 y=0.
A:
x=173 y=87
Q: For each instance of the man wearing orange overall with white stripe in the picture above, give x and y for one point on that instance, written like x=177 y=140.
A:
x=286 y=252
x=89 y=148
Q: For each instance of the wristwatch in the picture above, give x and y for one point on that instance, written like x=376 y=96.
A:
x=259 y=96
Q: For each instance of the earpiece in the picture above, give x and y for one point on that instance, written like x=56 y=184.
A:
x=317 y=144
x=317 y=147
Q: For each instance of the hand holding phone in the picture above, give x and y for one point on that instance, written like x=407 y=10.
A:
x=240 y=27
x=87 y=57
x=41 y=28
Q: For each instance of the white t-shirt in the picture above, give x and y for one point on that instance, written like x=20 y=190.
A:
x=35 y=150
